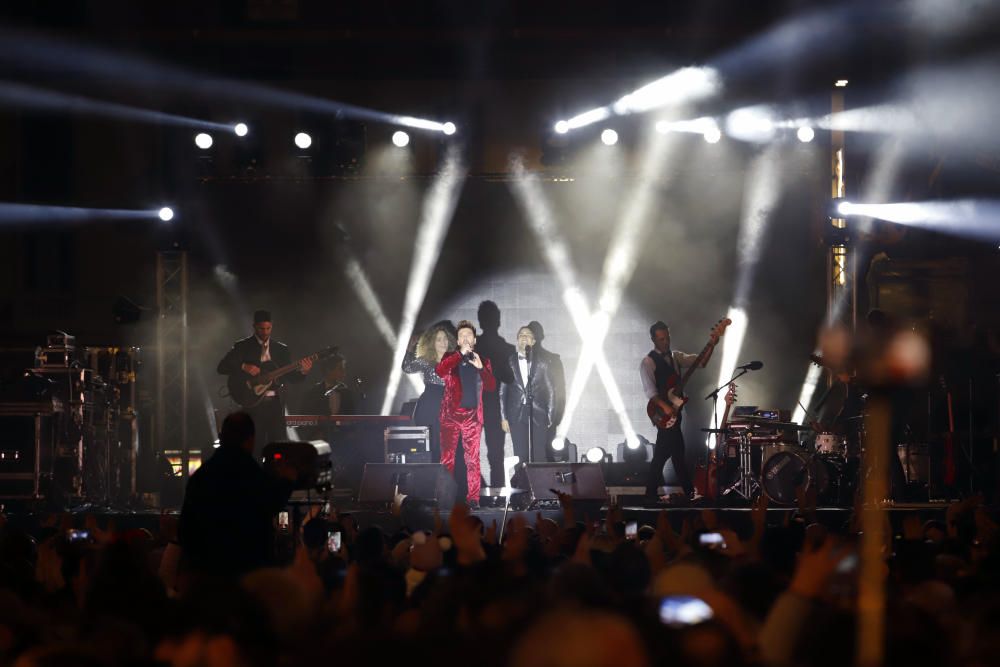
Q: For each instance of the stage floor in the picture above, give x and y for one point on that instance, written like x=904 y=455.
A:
x=737 y=518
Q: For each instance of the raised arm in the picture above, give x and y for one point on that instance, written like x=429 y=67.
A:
x=414 y=364
x=447 y=364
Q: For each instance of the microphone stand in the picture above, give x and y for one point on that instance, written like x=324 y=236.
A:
x=715 y=414
x=715 y=392
x=528 y=354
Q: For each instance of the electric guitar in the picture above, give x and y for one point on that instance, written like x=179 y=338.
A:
x=710 y=472
x=249 y=390
x=663 y=411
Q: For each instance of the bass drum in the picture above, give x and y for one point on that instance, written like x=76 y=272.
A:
x=785 y=471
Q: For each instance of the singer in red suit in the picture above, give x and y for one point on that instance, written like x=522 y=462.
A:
x=466 y=376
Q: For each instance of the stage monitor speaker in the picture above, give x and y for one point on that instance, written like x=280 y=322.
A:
x=429 y=482
x=583 y=481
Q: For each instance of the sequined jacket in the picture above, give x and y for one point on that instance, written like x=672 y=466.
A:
x=414 y=364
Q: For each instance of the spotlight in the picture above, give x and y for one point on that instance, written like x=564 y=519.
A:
x=844 y=208
x=562 y=127
x=841 y=83
x=166 y=214
x=400 y=138
x=303 y=140
x=595 y=455
x=559 y=444
x=203 y=141
x=712 y=135
x=637 y=451
x=609 y=137
x=449 y=128
x=805 y=134
x=241 y=129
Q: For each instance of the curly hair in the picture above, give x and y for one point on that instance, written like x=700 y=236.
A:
x=425 y=346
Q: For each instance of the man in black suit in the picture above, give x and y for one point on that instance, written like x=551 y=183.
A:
x=526 y=402
x=558 y=374
x=247 y=359
x=227 y=521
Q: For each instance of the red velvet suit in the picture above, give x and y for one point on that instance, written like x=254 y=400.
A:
x=457 y=421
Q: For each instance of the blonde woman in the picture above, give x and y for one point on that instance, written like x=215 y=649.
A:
x=423 y=357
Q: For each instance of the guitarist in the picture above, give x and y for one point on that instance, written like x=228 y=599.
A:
x=248 y=357
x=659 y=371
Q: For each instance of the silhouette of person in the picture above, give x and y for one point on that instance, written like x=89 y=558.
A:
x=492 y=346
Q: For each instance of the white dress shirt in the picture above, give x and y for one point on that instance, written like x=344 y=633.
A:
x=265 y=355
x=647 y=369
x=522 y=363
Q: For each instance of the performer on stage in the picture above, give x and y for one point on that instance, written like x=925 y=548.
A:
x=526 y=403
x=247 y=357
x=423 y=356
x=332 y=395
x=492 y=347
x=466 y=376
x=558 y=375
x=659 y=371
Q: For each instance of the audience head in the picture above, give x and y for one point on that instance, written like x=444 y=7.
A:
x=237 y=431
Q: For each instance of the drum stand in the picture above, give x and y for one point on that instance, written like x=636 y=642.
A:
x=746 y=483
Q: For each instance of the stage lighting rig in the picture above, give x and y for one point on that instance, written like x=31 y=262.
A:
x=303 y=140
x=203 y=140
x=609 y=137
x=166 y=214
x=597 y=455
x=241 y=129
x=805 y=134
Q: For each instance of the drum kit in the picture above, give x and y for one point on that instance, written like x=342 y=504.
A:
x=765 y=453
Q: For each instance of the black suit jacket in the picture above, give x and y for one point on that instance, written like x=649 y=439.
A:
x=226 y=524
x=538 y=385
x=247 y=351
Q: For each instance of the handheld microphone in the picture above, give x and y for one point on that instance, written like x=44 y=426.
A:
x=752 y=366
x=468 y=357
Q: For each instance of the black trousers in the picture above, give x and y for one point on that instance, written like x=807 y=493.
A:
x=269 y=423
x=669 y=445
x=519 y=436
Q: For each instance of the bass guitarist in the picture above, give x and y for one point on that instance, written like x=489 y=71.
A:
x=660 y=371
x=253 y=355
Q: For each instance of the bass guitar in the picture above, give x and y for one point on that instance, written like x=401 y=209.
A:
x=663 y=411
x=249 y=391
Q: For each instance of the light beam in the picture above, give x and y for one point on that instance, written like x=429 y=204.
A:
x=435 y=218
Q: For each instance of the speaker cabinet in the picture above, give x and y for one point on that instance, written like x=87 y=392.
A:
x=429 y=482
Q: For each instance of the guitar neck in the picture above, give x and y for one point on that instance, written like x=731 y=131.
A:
x=696 y=365
x=285 y=370
x=725 y=416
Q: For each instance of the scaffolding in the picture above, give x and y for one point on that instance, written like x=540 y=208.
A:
x=171 y=428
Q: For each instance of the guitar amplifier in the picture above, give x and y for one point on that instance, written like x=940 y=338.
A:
x=407 y=444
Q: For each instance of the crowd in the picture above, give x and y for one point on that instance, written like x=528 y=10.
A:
x=575 y=592
x=231 y=584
